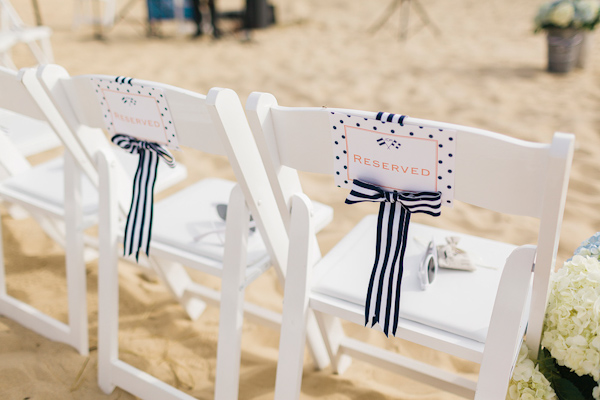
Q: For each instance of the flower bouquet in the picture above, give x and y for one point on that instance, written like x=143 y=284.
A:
x=570 y=355
x=565 y=14
x=566 y=22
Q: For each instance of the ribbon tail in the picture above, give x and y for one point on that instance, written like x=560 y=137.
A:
x=383 y=295
x=370 y=315
x=138 y=228
x=382 y=304
x=403 y=234
x=132 y=215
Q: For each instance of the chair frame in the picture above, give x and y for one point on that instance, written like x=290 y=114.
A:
x=75 y=332
x=274 y=133
x=56 y=83
x=11 y=23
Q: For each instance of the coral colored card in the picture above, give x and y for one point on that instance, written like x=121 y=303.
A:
x=136 y=110
x=393 y=156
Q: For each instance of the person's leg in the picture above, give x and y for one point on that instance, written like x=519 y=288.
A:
x=197 y=14
x=214 y=18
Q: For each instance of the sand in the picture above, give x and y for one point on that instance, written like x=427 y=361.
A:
x=486 y=69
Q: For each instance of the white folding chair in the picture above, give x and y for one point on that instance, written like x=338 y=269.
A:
x=20 y=115
x=54 y=195
x=478 y=316
x=101 y=14
x=7 y=41
x=184 y=223
x=37 y=38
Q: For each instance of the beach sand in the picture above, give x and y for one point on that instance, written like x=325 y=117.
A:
x=485 y=69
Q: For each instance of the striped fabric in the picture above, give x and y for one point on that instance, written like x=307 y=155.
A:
x=138 y=229
x=389 y=117
x=383 y=296
x=123 y=79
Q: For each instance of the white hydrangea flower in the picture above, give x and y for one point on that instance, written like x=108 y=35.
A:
x=586 y=11
x=527 y=382
x=571 y=14
x=572 y=324
x=596 y=393
x=562 y=14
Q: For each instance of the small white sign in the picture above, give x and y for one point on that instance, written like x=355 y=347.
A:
x=393 y=156
x=136 y=110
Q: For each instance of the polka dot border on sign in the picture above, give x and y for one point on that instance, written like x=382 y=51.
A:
x=126 y=85
x=446 y=139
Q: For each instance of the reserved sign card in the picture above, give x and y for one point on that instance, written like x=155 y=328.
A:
x=136 y=110
x=393 y=156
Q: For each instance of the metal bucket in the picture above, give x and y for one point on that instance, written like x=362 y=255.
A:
x=563 y=49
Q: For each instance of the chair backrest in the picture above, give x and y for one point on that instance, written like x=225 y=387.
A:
x=492 y=171
x=15 y=98
x=213 y=124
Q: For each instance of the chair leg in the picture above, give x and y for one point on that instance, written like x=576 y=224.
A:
x=178 y=281
x=333 y=333
x=74 y=258
x=314 y=340
x=295 y=304
x=108 y=280
x=2 y=267
x=232 y=298
x=507 y=323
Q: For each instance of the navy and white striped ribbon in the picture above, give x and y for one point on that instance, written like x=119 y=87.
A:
x=389 y=117
x=124 y=80
x=383 y=297
x=138 y=229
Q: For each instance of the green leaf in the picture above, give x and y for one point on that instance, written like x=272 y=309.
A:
x=566 y=390
x=548 y=366
x=566 y=384
x=585 y=383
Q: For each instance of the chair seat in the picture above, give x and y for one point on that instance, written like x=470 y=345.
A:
x=182 y=219
x=457 y=302
x=44 y=183
x=188 y=220
x=29 y=135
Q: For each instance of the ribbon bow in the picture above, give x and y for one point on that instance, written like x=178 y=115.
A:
x=383 y=297
x=138 y=228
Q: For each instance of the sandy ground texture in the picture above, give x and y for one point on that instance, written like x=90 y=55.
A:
x=485 y=69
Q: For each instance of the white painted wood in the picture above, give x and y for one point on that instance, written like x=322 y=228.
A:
x=71 y=107
x=245 y=159
x=243 y=153
x=108 y=280
x=409 y=330
x=15 y=98
x=303 y=131
x=34 y=319
x=295 y=302
x=37 y=38
x=7 y=42
x=252 y=312
x=492 y=171
x=333 y=334
x=30 y=136
x=144 y=385
x=289 y=182
x=557 y=179
x=410 y=368
x=507 y=326
x=231 y=314
x=75 y=263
